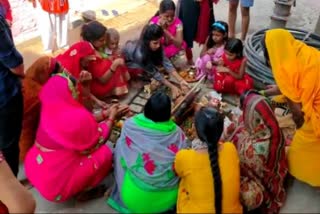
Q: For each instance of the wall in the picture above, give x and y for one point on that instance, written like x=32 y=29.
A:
x=24 y=20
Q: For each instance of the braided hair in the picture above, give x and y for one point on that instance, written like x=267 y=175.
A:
x=209 y=127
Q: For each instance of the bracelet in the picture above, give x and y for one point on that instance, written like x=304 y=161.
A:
x=263 y=93
x=104 y=116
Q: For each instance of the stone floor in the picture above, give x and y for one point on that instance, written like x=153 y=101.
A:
x=301 y=197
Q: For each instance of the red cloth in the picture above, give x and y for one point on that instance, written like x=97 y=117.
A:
x=205 y=20
x=225 y=83
x=7 y=9
x=117 y=84
x=71 y=59
x=55 y=6
x=3 y=209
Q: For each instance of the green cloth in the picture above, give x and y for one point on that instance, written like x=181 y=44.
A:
x=136 y=198
x=166 y=127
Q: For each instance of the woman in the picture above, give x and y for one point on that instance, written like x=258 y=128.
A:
x=172 y=27
x=110 y=77
x=36 y=76
x=70 y=154
x=146 y=56
x=76 y=59
x=209 y=172
x=295 y=67
x=261 y=148
x=197 y=17
x=14 y=197
x=144 y=156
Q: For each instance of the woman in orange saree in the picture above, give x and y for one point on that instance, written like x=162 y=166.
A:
x=296 y=70
x=36 y=75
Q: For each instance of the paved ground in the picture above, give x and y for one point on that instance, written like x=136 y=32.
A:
x=301 y=198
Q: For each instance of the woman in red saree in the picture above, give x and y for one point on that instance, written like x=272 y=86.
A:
x=76 y=59
x=110 y=75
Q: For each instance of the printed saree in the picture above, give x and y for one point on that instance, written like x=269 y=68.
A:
x=263 y=164
x=144 y=157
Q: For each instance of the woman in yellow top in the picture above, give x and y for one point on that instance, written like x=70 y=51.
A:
x=296 y=70
x=209 y=172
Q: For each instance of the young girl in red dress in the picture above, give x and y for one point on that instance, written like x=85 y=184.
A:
x=230 y=76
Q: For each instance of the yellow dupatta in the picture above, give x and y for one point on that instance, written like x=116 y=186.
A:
x=296 y=69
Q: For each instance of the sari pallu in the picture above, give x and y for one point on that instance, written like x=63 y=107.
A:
x=69 y=155
x=144 y=175
x=36 y=75
x=296 y=70
x=116 y=85
x=263 y=163
x=71 y=58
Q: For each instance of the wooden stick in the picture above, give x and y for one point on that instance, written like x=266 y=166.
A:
x=189 y=92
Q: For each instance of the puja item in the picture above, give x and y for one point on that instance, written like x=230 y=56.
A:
x=189 y=75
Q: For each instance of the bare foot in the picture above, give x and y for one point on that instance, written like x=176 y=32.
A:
x=107 y=193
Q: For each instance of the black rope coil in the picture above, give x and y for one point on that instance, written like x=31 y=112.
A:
x=256 y=64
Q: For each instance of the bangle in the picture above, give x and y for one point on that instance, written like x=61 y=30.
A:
x=104 y=116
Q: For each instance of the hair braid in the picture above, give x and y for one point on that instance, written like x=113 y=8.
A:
x=214 y=157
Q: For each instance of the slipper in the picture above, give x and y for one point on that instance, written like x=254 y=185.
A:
x=115 y=13
x=105 y=12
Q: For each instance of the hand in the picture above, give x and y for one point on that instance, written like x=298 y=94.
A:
x=163 y=23
x=222 y=69
x=117 y=62
x=220 y=62
x=184 y=86
x=85 y=78
x=209 y=65
x=297 y=113
x=175 y=92
x=211 y=51
x=101 y=104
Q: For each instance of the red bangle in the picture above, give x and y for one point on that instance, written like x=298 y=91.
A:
x=104 y=116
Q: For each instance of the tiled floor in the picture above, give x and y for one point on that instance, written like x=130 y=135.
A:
x=301 y=197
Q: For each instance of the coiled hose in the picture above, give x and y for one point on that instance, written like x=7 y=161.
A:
x=256 y=64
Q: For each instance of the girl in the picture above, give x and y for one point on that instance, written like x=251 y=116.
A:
x=213 y=49
x=146 y=56
x=209 y=172
x=111 y=49
x=229 y=76
x=172 y=27
x=110 y=76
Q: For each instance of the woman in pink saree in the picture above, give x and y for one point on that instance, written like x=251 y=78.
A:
x=70 y=154
x=173 y=29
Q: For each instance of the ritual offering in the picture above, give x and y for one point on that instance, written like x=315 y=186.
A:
x=189 y=75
